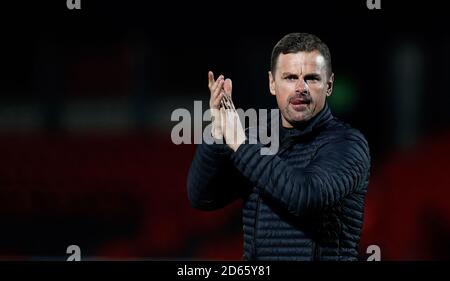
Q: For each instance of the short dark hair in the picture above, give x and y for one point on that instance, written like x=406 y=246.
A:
x=300 y=42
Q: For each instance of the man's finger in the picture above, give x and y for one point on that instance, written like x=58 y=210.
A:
x=210 y=79
x=228 y=87
x=216 y=97
x=216 y=84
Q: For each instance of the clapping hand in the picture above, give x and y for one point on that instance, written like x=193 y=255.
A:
x=225 y=119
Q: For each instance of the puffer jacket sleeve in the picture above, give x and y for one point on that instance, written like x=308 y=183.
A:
x=213 y=181
x=337 y=170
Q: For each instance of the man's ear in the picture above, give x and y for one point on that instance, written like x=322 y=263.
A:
x=330 y=83
x=272 y=83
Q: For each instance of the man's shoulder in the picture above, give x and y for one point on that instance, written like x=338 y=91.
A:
x=339 y=130
x=341 y=136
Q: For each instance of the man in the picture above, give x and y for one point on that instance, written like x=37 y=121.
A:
x=306 y=202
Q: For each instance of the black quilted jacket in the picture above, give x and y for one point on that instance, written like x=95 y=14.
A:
x=304 y=203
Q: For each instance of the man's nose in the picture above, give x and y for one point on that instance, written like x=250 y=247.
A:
x=301 y=87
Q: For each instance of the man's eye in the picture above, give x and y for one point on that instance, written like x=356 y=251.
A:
x=291 y=77
x=312 y=79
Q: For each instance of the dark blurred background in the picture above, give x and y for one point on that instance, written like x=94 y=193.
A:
x=86 y=98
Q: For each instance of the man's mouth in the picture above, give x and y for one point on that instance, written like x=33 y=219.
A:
x=300 y=101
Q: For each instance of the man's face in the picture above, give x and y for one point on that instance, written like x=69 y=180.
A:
x=301 y=85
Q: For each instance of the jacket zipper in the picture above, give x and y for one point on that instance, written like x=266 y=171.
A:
x=255 y=227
